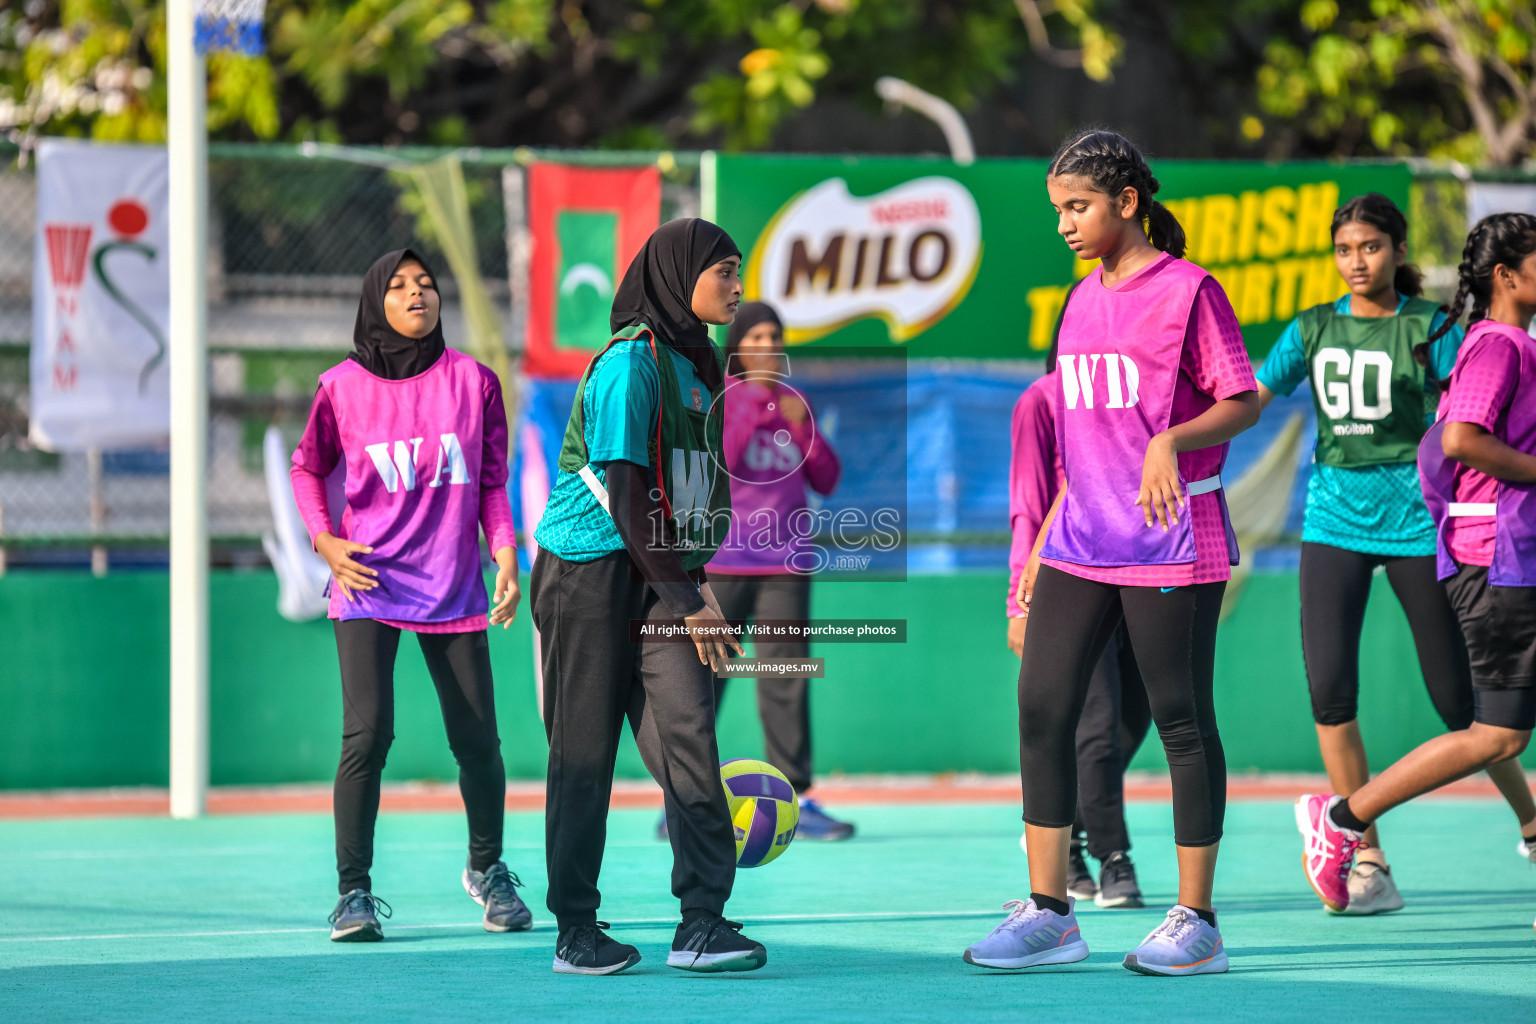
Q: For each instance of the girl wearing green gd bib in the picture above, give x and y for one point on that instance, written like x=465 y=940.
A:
x=1375 y=382
x=639 y=506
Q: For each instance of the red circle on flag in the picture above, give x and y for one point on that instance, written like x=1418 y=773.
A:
x=128 y=217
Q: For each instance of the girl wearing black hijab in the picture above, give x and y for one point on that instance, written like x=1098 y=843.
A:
x=423 y=435
x=639 y=506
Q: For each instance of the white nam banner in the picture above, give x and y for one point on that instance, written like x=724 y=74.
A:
x=907 y=255
x=100 y=297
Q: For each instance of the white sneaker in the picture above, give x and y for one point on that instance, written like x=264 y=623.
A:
x=1182 y=944
x=1526 y=850
x=1371 y=890
x=1029 y=937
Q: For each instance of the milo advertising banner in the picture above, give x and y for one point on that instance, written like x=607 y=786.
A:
x=945 y=260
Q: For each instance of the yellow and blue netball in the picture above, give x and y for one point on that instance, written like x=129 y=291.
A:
x=763 y=809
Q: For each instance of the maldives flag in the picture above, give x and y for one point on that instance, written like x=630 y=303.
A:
x=587 y=223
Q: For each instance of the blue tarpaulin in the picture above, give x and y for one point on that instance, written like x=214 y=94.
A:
x=930 y=438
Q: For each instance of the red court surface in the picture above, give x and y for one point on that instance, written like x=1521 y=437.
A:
x=529 y=796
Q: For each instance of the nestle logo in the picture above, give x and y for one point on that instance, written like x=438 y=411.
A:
x=909 y=209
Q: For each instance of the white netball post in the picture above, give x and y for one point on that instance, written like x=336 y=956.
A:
x=193 y=27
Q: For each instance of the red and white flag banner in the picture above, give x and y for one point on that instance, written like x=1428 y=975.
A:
x=587 y=224
x=101 y=297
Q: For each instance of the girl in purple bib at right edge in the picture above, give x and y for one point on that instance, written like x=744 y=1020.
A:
x=1155 y=381
x=1477 y=465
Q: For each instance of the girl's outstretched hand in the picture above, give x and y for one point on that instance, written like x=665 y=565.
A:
x=507 y=592
x=1161 y=495
x=349 y=575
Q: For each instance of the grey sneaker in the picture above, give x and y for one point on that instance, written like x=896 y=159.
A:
x=494 y=889
x=1030 y=937
x=1182 y=944
x=1079 y=878
x=356 y=917
x=1371 y=890
x=1117 y=883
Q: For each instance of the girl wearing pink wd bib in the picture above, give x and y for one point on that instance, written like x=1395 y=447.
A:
x=1477 y=465
x=1155 y=381
x=422 y=434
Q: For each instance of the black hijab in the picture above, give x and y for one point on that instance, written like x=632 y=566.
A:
x=657 y=290
x=747 y=317
x=384 y=351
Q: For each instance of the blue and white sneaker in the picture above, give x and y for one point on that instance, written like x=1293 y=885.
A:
x=1182 y=944
x=816 y=823
x=495 y=890
x=356 y=917
x=1030 y=937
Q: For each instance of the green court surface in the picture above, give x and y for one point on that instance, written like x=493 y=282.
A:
x=221 y=920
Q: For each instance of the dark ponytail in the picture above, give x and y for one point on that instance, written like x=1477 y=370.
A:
x=1113 y=163
x=1499 y=238
x=1381 y=213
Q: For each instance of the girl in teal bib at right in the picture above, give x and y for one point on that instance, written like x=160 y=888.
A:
x=1375 y=380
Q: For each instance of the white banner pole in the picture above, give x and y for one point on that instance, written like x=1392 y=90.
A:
x=188 y=145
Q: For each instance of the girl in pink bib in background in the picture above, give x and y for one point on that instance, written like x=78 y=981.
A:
x=1155 y=380
x=422 y=434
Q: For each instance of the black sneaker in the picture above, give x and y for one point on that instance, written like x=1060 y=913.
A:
x=1117 y=883
x=709 y=943
x=1079 y=878
x=494 y=889
x=356 y=919
x=587 y=949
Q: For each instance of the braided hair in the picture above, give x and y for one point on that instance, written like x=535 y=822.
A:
x=1377 y=211
x=1499 y=238
x=1113 y=164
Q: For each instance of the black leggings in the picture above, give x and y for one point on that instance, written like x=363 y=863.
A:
x=1335 y=585
x=460 y=664
x=1115 y=720
x=784 y=705
x=1071 y=621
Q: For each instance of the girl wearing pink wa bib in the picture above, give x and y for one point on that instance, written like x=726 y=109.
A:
x=1155 y=380
x=422 y=434
x=1477 y=465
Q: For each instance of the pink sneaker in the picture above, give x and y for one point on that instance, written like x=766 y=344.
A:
x=1329 y=851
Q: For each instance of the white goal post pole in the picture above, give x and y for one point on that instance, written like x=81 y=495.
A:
x=188 y=152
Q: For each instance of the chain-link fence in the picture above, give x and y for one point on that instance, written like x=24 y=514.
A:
x=292 y=231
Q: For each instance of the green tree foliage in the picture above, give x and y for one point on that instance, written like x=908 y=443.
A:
x=1441 y=77
x=498 y=72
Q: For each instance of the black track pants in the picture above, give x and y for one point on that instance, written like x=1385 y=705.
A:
x=783 y=704
x=594 y=677
x=1115 y=720
x=1071 y=622
x=460 y=665
x=1335 y=585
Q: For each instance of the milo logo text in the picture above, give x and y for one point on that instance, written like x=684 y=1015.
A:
x=907 y=256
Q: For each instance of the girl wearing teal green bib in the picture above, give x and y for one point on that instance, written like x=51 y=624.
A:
x=1375 y=382
x=628 y=627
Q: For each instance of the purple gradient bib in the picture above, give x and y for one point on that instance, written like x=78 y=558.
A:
x=1119 y=363
x=1514 y=536
x=412 y=450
